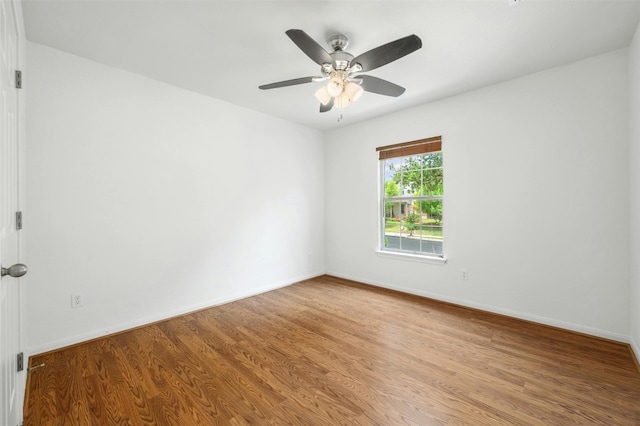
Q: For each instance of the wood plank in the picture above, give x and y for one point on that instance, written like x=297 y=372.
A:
x=329 y=351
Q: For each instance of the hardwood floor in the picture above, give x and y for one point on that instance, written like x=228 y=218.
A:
x=331 y=352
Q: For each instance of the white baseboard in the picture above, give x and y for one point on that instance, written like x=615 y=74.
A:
x=73 y=340
x=514 y=314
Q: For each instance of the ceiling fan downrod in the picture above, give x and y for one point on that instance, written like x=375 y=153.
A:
x=341 y=58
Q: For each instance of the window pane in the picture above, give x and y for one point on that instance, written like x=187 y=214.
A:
x=431 y=212
x=431 y=246
x=390 y=168
x=402 y=179
x=413 y=225
x=431 y=182
x=430 y=161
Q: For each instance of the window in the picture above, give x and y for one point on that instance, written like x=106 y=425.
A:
x=411 y=197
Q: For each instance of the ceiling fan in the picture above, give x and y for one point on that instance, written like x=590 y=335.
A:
x=342 y=70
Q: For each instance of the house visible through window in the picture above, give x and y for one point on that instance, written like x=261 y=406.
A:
x=411 y=197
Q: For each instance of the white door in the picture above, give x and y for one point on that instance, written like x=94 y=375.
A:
x=10 y=344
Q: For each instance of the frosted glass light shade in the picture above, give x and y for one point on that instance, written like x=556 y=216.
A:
x=322 y=94
x=354 y=91
x=342 y=101
x=335 y=86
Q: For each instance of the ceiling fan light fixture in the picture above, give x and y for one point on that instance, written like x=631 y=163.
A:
x=322 y=94
x=335 y=86
x=354 y=91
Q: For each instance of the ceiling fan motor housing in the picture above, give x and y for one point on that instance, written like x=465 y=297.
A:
x=341 y=59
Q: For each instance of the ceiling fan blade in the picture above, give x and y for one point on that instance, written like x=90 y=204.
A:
x=310 y=47
x=389 y=52
x=380 y=86
x=327 y=107
x=295 y=81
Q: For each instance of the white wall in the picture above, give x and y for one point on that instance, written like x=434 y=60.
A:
x=634 y=157
x=152 y=201
x=536 y=204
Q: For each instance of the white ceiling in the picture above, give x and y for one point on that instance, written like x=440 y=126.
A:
x=226 y=49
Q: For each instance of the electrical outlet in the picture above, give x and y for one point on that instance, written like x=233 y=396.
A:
x=76 y=300
x=464 y=275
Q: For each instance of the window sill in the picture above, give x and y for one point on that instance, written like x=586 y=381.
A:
x=412 y=257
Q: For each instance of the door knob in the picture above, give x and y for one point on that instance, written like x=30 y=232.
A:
x=16 y=270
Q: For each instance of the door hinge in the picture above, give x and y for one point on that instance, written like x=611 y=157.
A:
x=20 y=362
x=18 y=220
x=18 y=79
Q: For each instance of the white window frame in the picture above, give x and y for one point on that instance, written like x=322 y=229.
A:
x=411 y=149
